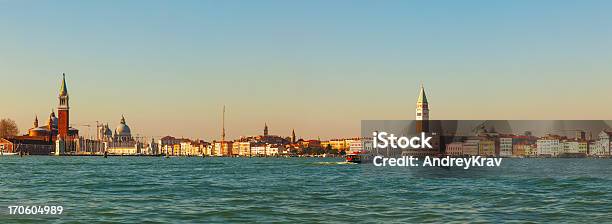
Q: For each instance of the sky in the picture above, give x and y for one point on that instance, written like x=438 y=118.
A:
x=319 y=67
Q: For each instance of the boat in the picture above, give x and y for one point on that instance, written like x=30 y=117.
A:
x=353 y=158
x=356 y=157
x=8 y=153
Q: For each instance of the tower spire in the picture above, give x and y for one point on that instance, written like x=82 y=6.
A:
x=266 y=129
x=63 y=88
x=422 y=97
x=293 y=140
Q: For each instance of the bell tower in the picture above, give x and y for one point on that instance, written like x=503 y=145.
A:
x=266 y=129
x=63 y=109
x=422 y=112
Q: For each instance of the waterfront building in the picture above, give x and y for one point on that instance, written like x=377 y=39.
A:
x=349 y=141
x=309 y=143
x=575 y=147
x=531 y=150
x=454 y=149
x=363 y=144
x=235 y=149
x=188 y=148
x=169 y=140
x=505 y=146
x=486 y=147
x=342 y=144
x=583 y=146
x=471 y=147
x=165 y=149
x=169 y=145
x=356 y=146
x=89 y=146
x=593 y=148
x=104 y=133
x=7 y=145
x=258 y=149
x=176 y=150
x=244 y=148
x=124 y=149
x=549 y=146
x=152 y=148
x=338 y=144
x=194 y=148
x=274 y=150
x=525 y=144
x=25 y=146
x=602 y=147
x=122 y=142
x=518 y=149
x=209 y=149
x=324 y=144
x=222 y=150
x=313 y=143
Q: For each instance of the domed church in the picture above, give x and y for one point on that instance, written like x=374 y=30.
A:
x=51 y=129
x=121 y=141
x=41 y=140
x=123 y=132
x=45 y=130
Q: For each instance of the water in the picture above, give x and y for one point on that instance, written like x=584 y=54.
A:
x=205 y=190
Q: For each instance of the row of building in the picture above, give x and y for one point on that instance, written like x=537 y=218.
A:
x=253 y=146
x=531 y=146
x=121 y=142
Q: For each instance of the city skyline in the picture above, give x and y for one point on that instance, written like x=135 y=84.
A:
x=170 y=68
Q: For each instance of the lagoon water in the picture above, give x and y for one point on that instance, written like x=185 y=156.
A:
x=205 y=190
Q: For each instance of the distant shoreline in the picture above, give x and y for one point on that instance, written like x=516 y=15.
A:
x=339 y=157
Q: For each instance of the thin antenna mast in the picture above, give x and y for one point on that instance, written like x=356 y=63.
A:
x=223 y=132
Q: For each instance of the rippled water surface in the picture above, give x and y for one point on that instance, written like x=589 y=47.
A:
x=204 y=190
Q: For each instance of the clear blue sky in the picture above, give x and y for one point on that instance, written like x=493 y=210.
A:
x=316 y=66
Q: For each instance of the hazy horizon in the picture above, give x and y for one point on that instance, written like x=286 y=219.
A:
x=318 y=67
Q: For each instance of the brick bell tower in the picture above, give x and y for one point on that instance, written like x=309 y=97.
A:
x=63 y=123
x=422 y=112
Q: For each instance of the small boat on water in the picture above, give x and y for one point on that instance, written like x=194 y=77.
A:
x=356 y=157
x=8 y=153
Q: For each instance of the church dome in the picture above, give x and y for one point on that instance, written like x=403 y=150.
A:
x=122 y=129
x=52 y=120
x=39 y=131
